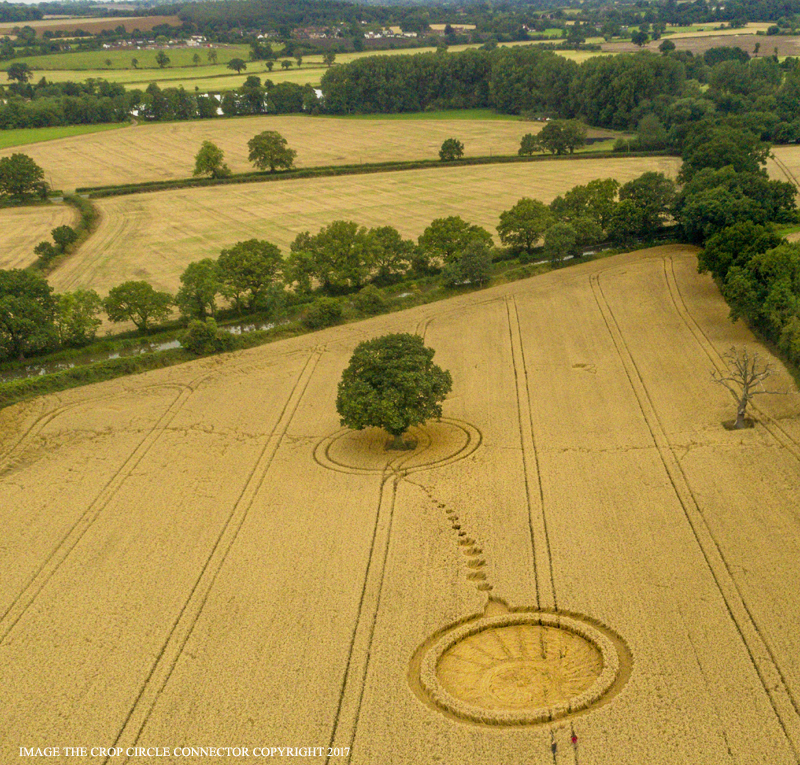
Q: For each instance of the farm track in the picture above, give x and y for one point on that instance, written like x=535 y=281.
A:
x=23 y=601
x=186 y=620
x=537 y=521
x=761 y=655
x=351 y=694
x=233 y=590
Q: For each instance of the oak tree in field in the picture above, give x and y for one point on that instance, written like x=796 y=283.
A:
x=212 y=56
x=653 y=194
x=270 y=150
x=251 y=273
x=209 y=161
x=162 y=59
x=135 y=62
x=200 y=284
x=446 y=238
x=338 y=257
x=560 y=242
x=19 y=72
x=27 y=309
x=237 y=64
x=77 y=319
x=196 y=59
x=451 y=149
x=64 y=236
x=523 y=225
x=286 y=64
x=328 y=58
x=745 y=379
x=472 y=266
x=392 y=383
x=562 y=136
x=528 y=145
x=138 y=302
x=20 y=177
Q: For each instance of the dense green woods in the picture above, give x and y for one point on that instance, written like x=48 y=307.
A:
x=661 y=96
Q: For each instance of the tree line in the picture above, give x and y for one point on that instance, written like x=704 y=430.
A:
x=661 y=97
x=615 y=92
x=342 y=258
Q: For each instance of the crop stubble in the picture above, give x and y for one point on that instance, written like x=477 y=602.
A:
x=24 y=227
x=156 y=152
x=296 y=594
x=155 y=236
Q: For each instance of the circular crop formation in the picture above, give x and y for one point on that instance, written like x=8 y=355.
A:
x=519 y=668
x=433 y=445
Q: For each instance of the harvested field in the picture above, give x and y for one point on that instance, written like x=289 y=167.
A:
x=152 y=152
x=24 y=227
x=784 y=164
x=697 y=44
x=155 y=236
x=93 y=25
x=201 y=555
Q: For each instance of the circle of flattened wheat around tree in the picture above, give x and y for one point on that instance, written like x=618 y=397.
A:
x=521 y=668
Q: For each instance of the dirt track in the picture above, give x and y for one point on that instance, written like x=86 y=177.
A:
x=199 y=556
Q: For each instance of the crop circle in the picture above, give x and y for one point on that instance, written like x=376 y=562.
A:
x=437 y=443
x=519 y=668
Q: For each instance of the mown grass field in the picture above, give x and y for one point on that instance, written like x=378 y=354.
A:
x=161 y=151
x=25 y=136
x=24 y=227
x=155 y=236
x=202 y=554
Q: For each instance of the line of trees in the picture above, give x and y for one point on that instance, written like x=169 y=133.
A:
x=341 y=258
x=660 y=96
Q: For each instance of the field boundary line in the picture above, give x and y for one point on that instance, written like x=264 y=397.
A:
x=784 y=168
x=758 y=650
x=768 y=422
x=329 y=171
x=537 y=522
x=27 y=596
x=184 y=623
x=351 y=694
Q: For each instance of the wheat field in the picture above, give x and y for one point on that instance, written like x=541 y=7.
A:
x=202 y=555
x=155 y=236
x=24 y=227
x=165 y=151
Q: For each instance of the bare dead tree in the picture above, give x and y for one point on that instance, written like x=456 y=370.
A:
x=745 y=379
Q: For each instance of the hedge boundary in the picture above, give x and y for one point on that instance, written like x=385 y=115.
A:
x=327 y=171
x=85 y=227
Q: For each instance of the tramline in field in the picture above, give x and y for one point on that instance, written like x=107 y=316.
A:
x=583 y=566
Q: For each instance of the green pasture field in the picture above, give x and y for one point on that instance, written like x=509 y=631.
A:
x=121 y=59
x=24 y=136
x=207 y=78
x=182 y=73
